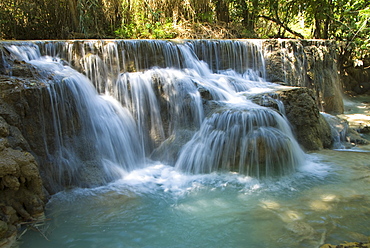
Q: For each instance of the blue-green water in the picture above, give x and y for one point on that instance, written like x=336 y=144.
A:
x=327 y=201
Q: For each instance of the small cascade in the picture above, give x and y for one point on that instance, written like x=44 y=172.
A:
x=307 y=63
x=224 y=55
x=339 y=129
x=135 y=96
x=248 y=139
x=162 y=100
x=293 y=66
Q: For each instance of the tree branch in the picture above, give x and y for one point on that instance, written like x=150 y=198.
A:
x=278 y=22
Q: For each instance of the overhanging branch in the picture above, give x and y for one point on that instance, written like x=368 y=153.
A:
x=278 y=22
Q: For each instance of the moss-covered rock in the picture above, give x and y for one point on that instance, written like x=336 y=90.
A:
x=310 y=127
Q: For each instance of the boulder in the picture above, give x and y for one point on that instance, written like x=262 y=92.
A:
x=311 y=129
x=3 y=228
x=168 y=151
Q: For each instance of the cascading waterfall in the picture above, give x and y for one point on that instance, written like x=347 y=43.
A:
x=339 y=129
x=224 y=55
x=95 y=138
x=146 y=91
x=197 y=139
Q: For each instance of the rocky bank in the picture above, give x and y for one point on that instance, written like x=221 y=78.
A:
x=22 y=195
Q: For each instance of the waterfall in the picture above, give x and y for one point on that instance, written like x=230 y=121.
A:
x=307 y=63
x=131 y=97
x=238 y=56
x=95 y=138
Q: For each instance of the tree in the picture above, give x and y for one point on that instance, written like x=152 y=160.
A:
x=344 y=20
x=222 y=10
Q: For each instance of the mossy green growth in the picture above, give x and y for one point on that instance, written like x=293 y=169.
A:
x=348 y=245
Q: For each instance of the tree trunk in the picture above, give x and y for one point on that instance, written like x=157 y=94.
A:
x=222 y=11
x=74 y=15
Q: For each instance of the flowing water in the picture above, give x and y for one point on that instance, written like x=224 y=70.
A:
x=182 y=155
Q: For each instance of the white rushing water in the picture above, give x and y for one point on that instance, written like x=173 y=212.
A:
x=182 y=156
x=106 y=131
x=150 y=105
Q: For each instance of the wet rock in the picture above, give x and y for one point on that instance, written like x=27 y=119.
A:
x=20 y=183
x=17 y=140
x=21 y=69
x=8 y=220
x=21 y=189
x=302 y=229
x=168 y=151
x=356 y=139
x=3 y=228
x=4 y=128
x=358 y=236
x=7 y=165
x=11 y=182
x=311 y=129
x=347 y=245
x=365 y=129
x=9 y=214
x=205 y=94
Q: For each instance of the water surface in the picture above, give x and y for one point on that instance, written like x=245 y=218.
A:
x=327 y=201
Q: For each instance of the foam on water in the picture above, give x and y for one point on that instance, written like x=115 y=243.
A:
x=162 y=179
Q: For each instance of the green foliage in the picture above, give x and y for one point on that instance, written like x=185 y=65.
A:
x=141 y=25
x=146 y=30
x=362 y=38
x=344 y=20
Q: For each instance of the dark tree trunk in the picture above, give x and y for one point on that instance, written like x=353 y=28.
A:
x=222 y=11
